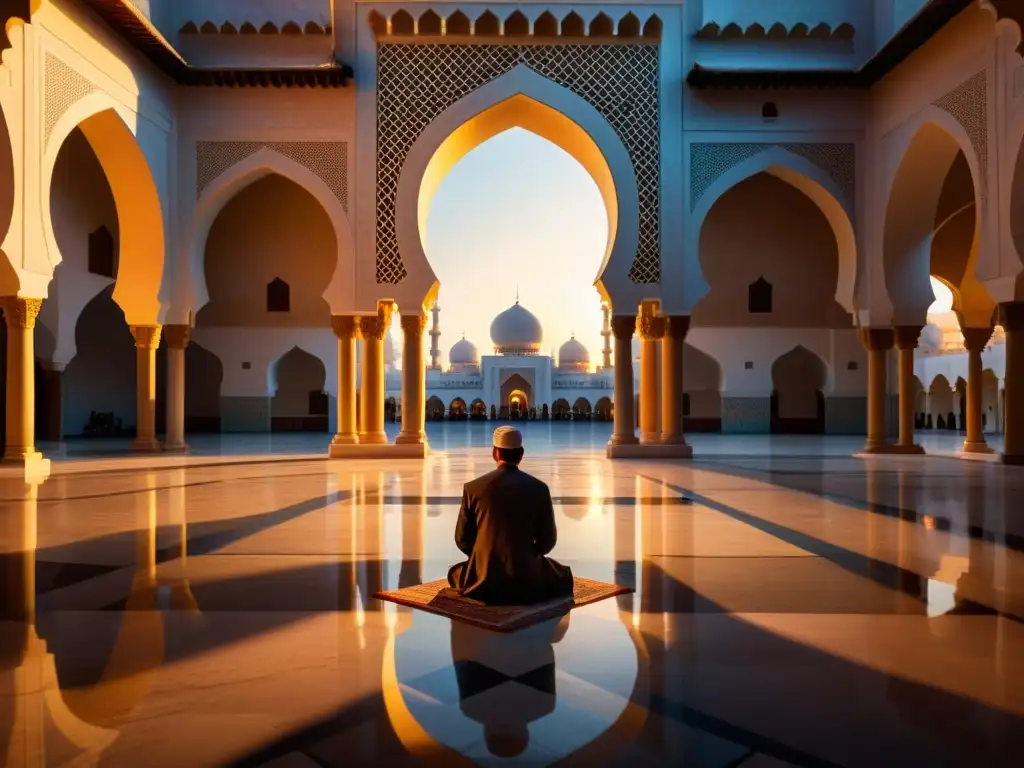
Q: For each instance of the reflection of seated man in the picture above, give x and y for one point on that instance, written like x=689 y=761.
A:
x=506 y=527
x=492 y=667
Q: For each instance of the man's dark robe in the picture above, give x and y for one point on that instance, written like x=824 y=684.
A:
x=506 y=527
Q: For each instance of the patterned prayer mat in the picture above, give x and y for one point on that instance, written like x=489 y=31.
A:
x=437 y=597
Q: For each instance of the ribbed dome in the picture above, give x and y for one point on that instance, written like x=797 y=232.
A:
x=463 y=353
x=573 y=353
x=516 y=331
x=931 y=337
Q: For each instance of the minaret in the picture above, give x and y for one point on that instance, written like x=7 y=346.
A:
x=606 y=331
x=435 y=338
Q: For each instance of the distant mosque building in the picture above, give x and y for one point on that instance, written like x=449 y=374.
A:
x=516 y=381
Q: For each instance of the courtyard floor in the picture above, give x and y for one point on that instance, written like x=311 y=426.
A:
x=794 y=606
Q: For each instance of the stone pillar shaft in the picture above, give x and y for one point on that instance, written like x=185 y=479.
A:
x=346 y=328
x=651 y=329
x=371 y=418
x=878 y=342
x=147 y=340
x=20 y=315
x=414 y=405
x=906 y=337
x=975 y=340
x=622 y=419
x=1012 y=316
x=676 y=328
x=177 y=337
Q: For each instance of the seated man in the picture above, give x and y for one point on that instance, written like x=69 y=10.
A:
x=506 y=527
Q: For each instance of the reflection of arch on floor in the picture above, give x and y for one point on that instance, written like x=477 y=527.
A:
x=702 y=391
x=798 y=398
x=299 y=403
x=560 y=409
x=581 y=408
x=603 y=409
x=204 y=374
x=477 y=409
x=457 y=409
x=101 y=376
x=435 y=408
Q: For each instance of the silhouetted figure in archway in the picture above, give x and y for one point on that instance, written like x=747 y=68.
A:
x=951 y=421
x=506 y=528
x=940 y=423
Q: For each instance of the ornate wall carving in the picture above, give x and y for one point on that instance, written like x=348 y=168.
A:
x=416 y=83
x=708 y=162
x=968 y=104
x=64 y=86
x=327 y=159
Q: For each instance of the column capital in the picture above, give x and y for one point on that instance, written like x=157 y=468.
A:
x=1011 y=316
x=146 y=336
x=376 y=326
x=177 y=336
x=906 y=336
x=345 y=326
x=21 y=312
x=975 y=339
x=414 y=325
x=650 y=327
x=677 y=326
x=623 y=326
x=877 y=339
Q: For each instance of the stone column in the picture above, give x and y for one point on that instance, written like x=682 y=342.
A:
x=414 y=401
x=906 y=342
x=1012 y=320
x=20 y=315
x=346 y=328
x=676 y=328
x=52 y=428
x=622 y=396
x=877 y=342
x=975 y=340
x=177 y=337
x=371 y=417
x=147 y=340
x=651 y=329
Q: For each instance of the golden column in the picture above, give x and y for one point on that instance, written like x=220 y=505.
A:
x=622 y=396
x=177 y=337
x=346 y=328
x=878 y=342
x=651 y=329
x=975 y=340
x=906 y=342
x=20 y=315
x=414 y=405
x=371 y=406
x=147 y=340
x=676 y=328
x=1012 y=320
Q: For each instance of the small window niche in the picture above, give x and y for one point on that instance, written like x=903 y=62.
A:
x=770 y=111
x=759 y=297
x=278 y=296
x=102 y=254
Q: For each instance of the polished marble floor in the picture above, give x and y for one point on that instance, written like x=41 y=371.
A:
x=793 y=606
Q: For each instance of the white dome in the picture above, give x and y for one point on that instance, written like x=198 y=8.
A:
x=573 y=353
x=463 y=353
x=931 y=337
x=516 y=331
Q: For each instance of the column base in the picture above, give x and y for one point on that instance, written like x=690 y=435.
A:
x=378 y=451
x=410 y=438
x=977 y=447
x=147 y=445
x=178 y=449
x=342 y=438
x=649 y=451
x=623 y=440
x=907 y=450
x=650 y=438
x=373 y=438
x=885 y=449
x=31 y=465
x=673 y=439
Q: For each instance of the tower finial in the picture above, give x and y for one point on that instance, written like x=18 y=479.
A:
x=517 y=293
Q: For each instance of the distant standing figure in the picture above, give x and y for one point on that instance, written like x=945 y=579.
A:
x=506 y=528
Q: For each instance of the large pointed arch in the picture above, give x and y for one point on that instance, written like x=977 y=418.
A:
x=340 y=293
x=520 y=98
x=815 y=183
x=133 y=159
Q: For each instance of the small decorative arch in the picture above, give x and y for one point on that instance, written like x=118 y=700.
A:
x=581 y=409
x=799 y=380
x=227 y=28
x=560 y=409
x=487 y=24
x=377 y=23
x=279 y=296
x=731 y=31
x=208 y=28
x=573 y=25
x=457 y=24
x=652 y=28
x=291 y=28
x=602 y=26
x=429 y=23
x=312 y=28
x=189 y=28
x=759 y=297
x=517 y=25
x=546 y=25
x=770 y=111
x=603 y=409
x=248 y=28
x=629 y=25
x=402 y=23
x=435 y=408
x=340 y=294
x=270 y=28
x=477 y=409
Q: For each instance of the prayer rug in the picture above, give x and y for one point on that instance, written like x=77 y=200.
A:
x=437 y=597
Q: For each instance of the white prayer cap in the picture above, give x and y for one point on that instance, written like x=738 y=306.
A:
x=508 y=437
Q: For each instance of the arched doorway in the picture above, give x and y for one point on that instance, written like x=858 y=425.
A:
x=299 y=402
x=477 y=410
x=581 y=409
x=798 y=400
x=603 y=409
x=203 y=376
x=940 y=399
x=457 y=409
x=435 y=408
x=560 y=410
x=516 y=394
x=702 y=395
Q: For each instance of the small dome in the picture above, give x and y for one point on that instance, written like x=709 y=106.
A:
x=516 y=331
x=573 y=353
x=931 y=337
x=463 y=353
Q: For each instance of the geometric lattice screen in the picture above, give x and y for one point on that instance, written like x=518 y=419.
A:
x=416 y=83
